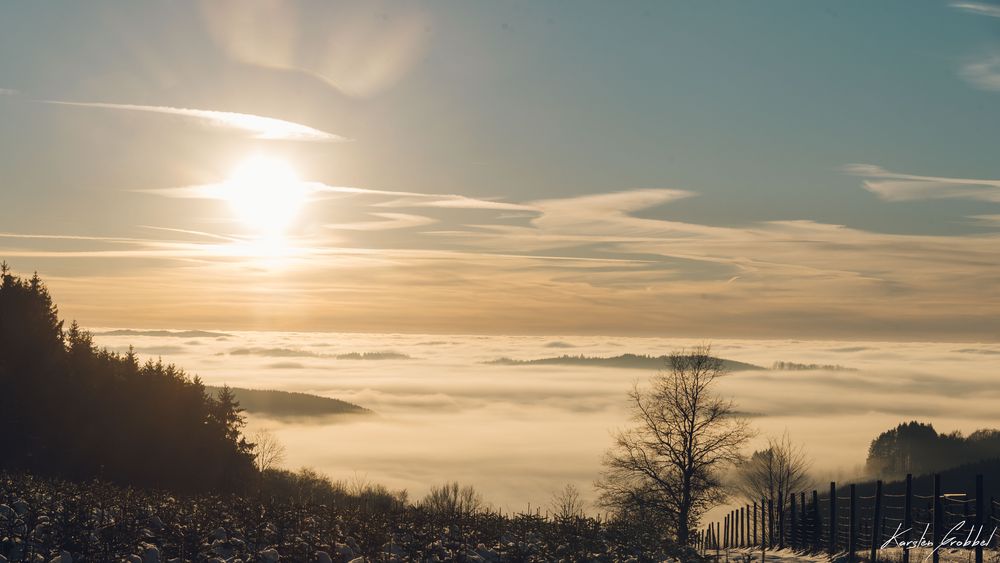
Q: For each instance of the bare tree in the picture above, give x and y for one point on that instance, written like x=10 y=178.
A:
x=268 y=452
x=453 y=499
x=566 y=503
x=667 y=466
x=775 y=472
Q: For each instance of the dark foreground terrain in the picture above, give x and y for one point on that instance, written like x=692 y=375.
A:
x=43 y=520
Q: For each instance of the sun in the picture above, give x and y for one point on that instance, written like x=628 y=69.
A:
x=265 y=194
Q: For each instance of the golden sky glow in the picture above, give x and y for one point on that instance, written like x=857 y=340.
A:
x=666 y=169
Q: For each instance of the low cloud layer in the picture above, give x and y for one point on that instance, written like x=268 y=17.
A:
x=520 y=432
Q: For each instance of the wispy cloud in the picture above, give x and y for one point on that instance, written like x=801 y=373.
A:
x=258 y=126
x=608 y=262
x=983 y=73
x=8 y=92
x=393 y=198
x=979 y=8
x=608 y=213
x=991 y=221
x=200 y=234
x=453 y=202
x=389 y=221
x=894 y=186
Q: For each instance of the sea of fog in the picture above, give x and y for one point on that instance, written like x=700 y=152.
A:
x=518 y=433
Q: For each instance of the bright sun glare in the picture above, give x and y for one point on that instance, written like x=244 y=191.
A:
x=265 y=194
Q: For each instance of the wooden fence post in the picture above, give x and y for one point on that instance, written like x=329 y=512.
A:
x=833 y=518
x=763 y=522
x=717 y=541
x=746 y=524
x=816 y=522
x=979 y=516
x=803 y=539
x=743 y=526
x=770 y=523
x=781 y=519
x=726 y=533
x=734 y=529
x=876 y=523
x=907 y=516
x=938 y=516
x=791 y=536
x=852 y=527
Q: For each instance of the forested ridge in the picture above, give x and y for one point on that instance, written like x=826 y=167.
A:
x=72 y=410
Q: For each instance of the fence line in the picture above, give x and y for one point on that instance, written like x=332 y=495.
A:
x=857 y=524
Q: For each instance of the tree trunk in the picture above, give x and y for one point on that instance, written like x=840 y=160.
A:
x=684 y=512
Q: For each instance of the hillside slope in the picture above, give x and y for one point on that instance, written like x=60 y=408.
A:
x=289 y=404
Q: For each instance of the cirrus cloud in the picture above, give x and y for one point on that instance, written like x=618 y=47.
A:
x=894 y=186
x=260 y=127
x=978 y=8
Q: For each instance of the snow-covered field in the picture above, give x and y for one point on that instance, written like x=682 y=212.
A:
x=520 y=432
x=778 y=556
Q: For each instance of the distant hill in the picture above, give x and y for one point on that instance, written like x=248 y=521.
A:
x=298 y=353
x=372 y=356
x=794 y=366
x=162 y=333
x=631 y=361
x=285 y=404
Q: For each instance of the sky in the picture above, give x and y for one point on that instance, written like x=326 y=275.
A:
x=779 y=169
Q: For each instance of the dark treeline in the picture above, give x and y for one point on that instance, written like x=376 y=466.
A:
x=917 y=448
x=71 y=410
x=631 y=361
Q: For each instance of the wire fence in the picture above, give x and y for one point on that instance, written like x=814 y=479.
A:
x=861 y=523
